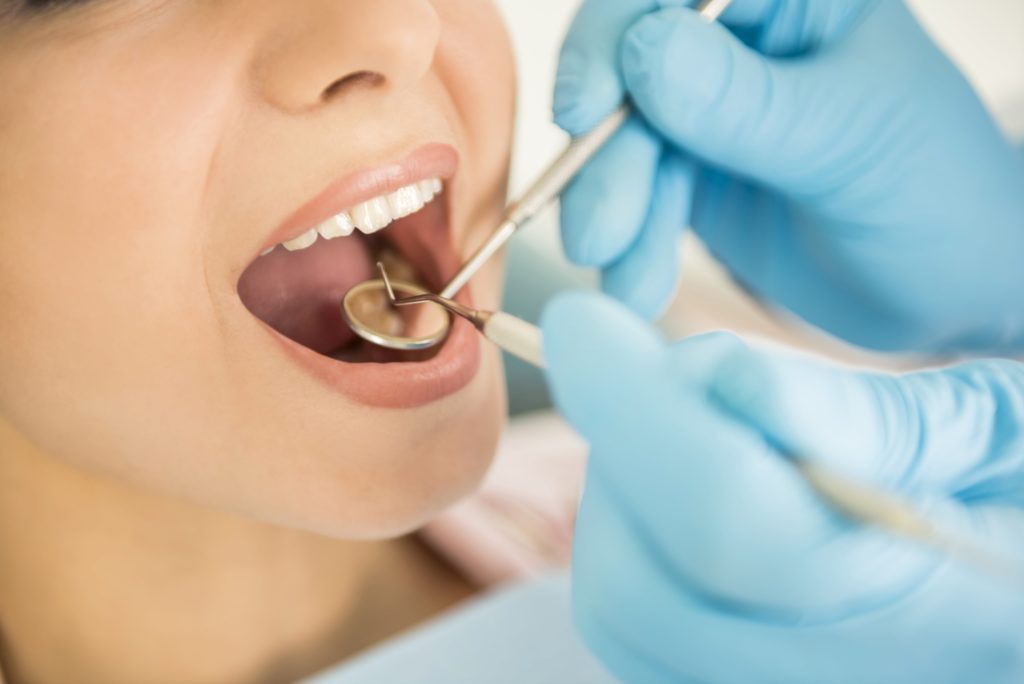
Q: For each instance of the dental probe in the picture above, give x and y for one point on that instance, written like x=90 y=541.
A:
x=860 y=503
x=514 y=335
x=551 y=183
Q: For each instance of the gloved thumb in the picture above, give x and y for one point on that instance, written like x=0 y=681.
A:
x=930 y=432
x=596 y=352
x=708 y=93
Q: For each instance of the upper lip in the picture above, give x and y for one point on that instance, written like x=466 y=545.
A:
x=433 y=160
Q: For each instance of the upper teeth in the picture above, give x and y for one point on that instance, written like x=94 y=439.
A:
x=370 y=216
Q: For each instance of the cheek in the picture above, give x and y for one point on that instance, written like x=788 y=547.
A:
x=101 y=292
x=100 y=186
x=412 y=468
x=476 y=62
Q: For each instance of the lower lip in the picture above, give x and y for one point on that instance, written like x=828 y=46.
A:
x=398 y=385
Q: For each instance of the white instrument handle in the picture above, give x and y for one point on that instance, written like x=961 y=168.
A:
x=519 y=338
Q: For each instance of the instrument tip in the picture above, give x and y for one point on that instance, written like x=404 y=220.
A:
x=387 y=282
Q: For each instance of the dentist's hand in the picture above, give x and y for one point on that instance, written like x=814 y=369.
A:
x=826 y=152
x=702 y=556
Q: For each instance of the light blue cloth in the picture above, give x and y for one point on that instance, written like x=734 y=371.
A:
x=520 y=635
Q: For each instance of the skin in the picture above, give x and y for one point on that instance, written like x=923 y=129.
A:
x=171 y=483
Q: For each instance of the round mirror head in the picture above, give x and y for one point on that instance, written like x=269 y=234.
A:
x=368 y=311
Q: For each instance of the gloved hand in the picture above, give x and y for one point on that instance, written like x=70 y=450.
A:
x=702 y=556
x=826 y=152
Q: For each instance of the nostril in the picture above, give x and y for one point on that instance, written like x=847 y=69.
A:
x=360 y=79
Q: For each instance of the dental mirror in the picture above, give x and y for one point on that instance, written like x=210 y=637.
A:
x=368 y=312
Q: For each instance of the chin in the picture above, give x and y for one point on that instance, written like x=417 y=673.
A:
x=430 y=466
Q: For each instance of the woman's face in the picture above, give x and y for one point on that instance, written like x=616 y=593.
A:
x=151 y=150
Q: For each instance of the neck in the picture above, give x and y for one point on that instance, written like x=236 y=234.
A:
x=129 y=585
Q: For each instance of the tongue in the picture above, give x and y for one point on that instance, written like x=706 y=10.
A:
x=299 y=294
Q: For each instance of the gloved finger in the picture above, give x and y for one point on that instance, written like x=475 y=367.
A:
x=734 y=515
x=588 y=85
x=606 y=367
x=594 y=349
x=647 y=622
x=764 y=241
x=792 y=27
x=725 y=507
x=708 y=93
x=775 y=249
x=946 y=431
x=604 y=208
x=645 y=278
x=615 y=580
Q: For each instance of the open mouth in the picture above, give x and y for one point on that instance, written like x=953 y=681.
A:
x=297 y=287
x=399 y=216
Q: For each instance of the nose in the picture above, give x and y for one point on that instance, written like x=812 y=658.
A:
x=318 y=50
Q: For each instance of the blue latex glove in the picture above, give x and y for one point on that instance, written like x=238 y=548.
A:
x=702 y=556
x=826 y=152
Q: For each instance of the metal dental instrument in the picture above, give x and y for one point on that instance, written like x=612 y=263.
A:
x=551 y=183
x=857 y=502
x=514 y=335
